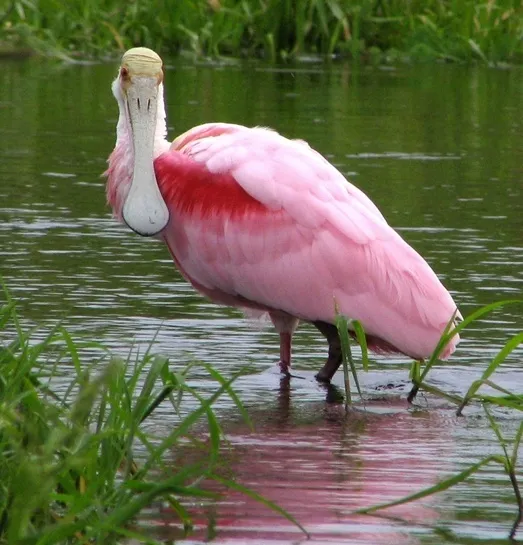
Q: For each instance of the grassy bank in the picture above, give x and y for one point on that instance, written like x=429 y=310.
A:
x=379 y=30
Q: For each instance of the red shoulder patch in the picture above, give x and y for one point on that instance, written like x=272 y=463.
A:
x=189 y=187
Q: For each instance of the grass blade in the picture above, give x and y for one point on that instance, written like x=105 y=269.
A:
x=343 y=332
x=500 y=357
x=264 y=501
x=439 y=487
x=362 y=341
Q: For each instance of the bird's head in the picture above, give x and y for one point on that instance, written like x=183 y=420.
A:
x=138 y=90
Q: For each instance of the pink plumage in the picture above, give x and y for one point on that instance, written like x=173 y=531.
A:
x=260 y=221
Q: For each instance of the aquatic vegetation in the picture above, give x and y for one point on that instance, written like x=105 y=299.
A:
x=507 y=460
x=419 y=373
x=457 y=30
x=76 y=463
x=342 y=324
x=419 y=377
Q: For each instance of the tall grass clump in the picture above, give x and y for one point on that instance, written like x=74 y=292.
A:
x=77 y=465
x=459 y=30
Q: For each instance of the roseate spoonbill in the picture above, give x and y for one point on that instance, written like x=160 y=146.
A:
x=257 y=221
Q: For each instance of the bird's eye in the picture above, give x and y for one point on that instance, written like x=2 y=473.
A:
x=124 y=73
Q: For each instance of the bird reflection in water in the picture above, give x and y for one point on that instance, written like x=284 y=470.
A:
x=321 y=464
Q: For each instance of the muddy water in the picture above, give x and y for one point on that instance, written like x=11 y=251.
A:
x=438 y=148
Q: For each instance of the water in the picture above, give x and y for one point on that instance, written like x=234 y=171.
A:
x=438 y=148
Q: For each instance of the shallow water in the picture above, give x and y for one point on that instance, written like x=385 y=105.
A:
x=438 y=148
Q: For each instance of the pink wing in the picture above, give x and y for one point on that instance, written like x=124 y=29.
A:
x=259 y=220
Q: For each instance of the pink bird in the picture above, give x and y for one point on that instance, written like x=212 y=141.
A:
x=257 y=221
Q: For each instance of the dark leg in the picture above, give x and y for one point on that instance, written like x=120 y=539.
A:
x=334 y=360
x=413 y=393
x=285 y=352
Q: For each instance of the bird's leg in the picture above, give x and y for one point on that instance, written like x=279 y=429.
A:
x=285 y=325
x=330 y=332
x=285 y=352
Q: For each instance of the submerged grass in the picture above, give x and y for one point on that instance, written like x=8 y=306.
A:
x=488 y=31
x=77 y=465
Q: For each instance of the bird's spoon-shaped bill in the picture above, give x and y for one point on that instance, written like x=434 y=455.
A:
x=144 y=211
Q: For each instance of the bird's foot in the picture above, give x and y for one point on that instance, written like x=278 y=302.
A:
x=329 y=369
x=285 y=368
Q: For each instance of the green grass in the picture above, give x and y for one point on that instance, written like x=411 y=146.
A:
x=489 y=31
x=79 y=466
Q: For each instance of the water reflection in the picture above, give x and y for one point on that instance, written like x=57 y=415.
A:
x=321 y=465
